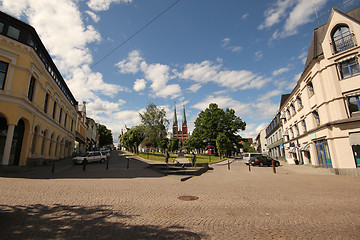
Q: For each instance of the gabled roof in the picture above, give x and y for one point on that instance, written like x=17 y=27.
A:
x=284 y=97
x=315 y=49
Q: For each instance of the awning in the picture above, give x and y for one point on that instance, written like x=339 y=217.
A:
x=293 y=150
x=305 y=148
x=354 y=139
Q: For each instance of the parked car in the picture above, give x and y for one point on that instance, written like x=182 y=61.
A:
x=95 y=156
x=105 y=153
x=247 y=156
x=263 y=161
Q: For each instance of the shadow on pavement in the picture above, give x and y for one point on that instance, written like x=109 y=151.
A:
x=118 y=167
x=78 y=222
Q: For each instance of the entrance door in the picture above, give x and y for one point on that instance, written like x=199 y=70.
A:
x=356 y=151
x=17 y=143
x=323 y=153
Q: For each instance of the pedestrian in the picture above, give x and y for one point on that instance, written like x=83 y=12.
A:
x=193 y=159
x=167 y=157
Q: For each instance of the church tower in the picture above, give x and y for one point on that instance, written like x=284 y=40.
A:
x=182 y=133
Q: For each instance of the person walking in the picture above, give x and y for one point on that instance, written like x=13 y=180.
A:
x=167 y=157
x=193 y=159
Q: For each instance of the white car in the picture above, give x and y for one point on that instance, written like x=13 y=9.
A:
x=95 y=156
x=105 y=152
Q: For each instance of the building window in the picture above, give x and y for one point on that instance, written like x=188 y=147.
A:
x=1 y=27
x=31 y=89
x=60 y=115
x=293 y=109
x=13 y=32
x=291 y=133
x=354 y=104
x=299 y=101
x=297 y=129
x=311 y=89
x=46 y=102
x=349 y=68
x=72 y=123
x=303 y=123
x=54 y=110
x=288 y=113
x=316 y=117
x=65 y=119
x=3 y=72
x=342 y=39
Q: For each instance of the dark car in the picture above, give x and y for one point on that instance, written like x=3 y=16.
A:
x=263 y=161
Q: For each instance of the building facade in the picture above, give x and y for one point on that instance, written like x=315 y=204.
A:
x=260 y=143
x=37 y=110
x=321 y=117
x=182 y=133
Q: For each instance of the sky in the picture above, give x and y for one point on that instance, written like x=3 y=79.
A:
x=118 y=56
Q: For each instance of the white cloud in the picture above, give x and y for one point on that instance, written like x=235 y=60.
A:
x=244 y=16
x=195 y=87
x=280 y=71
x=131 y=64
x=293 y=14
x=259 y=110
x=270 y=94
x=139 y=85
x=225 y=44
x=258 y=55
x=206 y=71
x=102 y=5
x=98 y=105
x=94 y=17
x=252 y=130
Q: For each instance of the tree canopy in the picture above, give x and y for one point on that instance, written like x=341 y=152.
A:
x=213 y=120
x=133 y=138
x=106 y=137
x=155 y=124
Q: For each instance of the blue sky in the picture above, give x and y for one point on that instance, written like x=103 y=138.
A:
x=238 y=54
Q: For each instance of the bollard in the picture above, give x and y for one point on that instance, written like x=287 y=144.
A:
x=249 y=168
x=273 y=166
x=228 y=164
x=107 y=164
x=84 y=164
x=128 y=162
x=53 y=166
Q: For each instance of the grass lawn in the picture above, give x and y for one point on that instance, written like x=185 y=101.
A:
x=200 y=158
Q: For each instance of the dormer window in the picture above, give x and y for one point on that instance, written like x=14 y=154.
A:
x=342 y=39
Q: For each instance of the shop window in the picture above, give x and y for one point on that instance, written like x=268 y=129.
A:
x=3 y=73
x=342 y=39
x=349 y=68
x=31 y=89
x=13 y=32
x=354 y=104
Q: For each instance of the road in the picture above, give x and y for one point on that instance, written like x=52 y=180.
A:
x=137 y=203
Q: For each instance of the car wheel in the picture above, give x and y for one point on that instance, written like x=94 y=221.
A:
x=277 y=164
x=102 y=160
x=261 y=164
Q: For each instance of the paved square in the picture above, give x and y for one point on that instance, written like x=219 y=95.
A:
x=298 y=202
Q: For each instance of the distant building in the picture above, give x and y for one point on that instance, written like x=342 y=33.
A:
x=260 y=144
x=181 y=134
x=38 y=112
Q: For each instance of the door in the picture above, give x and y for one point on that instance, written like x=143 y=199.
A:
x=17 y=143
x=323 y=153
x=356 y=151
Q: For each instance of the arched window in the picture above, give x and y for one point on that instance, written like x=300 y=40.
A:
x=342 y=39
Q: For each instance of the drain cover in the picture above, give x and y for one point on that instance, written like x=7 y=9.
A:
x=188 y=198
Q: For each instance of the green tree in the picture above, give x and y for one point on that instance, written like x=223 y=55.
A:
x=106 y=137
x=193 y=143
x=173 y=144
x=213 y=121
x=164 y=144
x=155 y=124
x=133 y=138
x=223 y=144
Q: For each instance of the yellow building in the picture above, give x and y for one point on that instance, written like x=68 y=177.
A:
x=38 y=113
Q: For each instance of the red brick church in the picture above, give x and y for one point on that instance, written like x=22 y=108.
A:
x=181 y=134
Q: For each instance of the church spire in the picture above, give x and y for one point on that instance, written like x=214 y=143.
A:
x=175 y=117
x=184 y=115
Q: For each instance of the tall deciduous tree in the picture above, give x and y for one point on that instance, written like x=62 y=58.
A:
x=173 y=144
x=213 y=121
x=155 y=124
x=106 y=137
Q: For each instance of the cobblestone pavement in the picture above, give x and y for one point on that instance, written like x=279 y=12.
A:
x=137 y=203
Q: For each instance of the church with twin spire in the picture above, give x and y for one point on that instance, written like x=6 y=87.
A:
x=182 y=133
